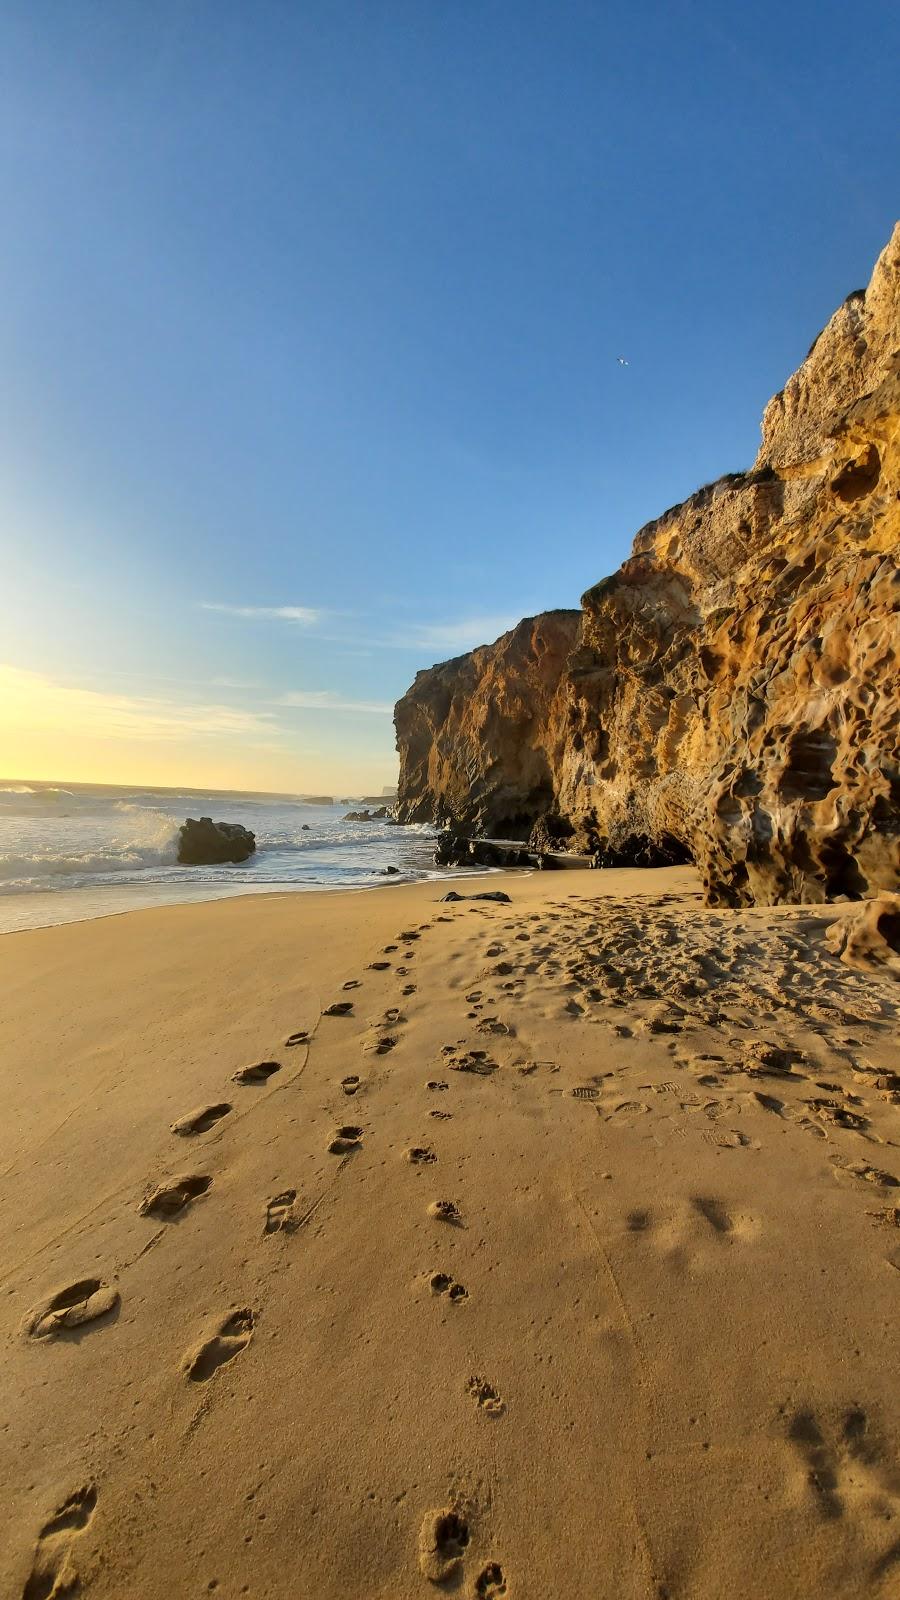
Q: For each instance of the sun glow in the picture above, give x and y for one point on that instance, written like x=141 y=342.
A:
x=52 y=729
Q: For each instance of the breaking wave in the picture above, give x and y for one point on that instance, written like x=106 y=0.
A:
x=150 y=841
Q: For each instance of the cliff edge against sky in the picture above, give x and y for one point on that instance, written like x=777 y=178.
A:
x=731 y=694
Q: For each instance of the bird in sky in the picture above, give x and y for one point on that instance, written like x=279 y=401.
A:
x=621 y=360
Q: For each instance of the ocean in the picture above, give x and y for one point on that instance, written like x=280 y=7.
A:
x=74 y=851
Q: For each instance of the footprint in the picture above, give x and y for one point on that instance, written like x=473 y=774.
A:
x=490 y=1581
x=352 y=983
x=201 y=1119
x=769 y=1102
x=81 y=1303
x=714 y=1212
x=338 y=1008
x=585 y=1092
x=476 y=1061
x=231 y=1337
x=445 y=1211
x=867 y=1174
x=350 y=1085
x=52 y=1571
x=171 y=1197
x=436 y=1083
x=279 y=1211
x=485 y=1396
x=731 y=1139
x=301 y=1037
x=409 y=988
x=629 y=1108
x=345 y=1139
x=420 y=1154
x=378 y=966
x=442 y=1116
x=258 y=1073
x=443 y=1540
x=442 y=1283
x=820 y=1461
x=838 y=1115
x=381 y=1045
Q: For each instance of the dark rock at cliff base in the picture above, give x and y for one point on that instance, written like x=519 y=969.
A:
x=636 y=850
x=366 y=816
x=456 y=850
x=451 y=849
x=207 y=843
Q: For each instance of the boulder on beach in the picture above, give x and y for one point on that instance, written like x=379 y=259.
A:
x=498 y=895
x=868 y=937
x=207 y=843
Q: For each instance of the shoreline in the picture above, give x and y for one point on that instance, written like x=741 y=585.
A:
x=638 y=1109
x=158 y=897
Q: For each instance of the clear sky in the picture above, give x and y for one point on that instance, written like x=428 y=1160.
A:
x=309 y=324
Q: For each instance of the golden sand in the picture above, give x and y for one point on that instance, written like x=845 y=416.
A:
x=562 y=1265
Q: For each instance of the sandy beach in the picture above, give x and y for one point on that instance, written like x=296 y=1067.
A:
x=561 y=1261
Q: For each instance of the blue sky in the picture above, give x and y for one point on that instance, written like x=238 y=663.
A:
x=309 y=325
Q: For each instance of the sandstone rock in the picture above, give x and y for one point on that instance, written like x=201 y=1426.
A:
x=476 y=735
x=869 y=939
x=208 y=843
x=732 y=693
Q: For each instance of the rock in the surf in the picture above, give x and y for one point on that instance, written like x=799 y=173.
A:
x=207 y=843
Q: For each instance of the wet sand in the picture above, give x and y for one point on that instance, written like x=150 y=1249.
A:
x=560 y=1259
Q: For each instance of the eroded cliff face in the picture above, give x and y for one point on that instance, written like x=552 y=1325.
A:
x=477 y=735
x=734 y=688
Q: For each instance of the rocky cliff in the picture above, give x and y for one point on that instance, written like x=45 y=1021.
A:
x=732 y=692
x=479 y=736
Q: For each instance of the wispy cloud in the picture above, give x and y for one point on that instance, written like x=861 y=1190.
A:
x=425 y=637
x=327 y=700
x=434 y=638
x=32 y=701
x=462 y=635
x=303 y=614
